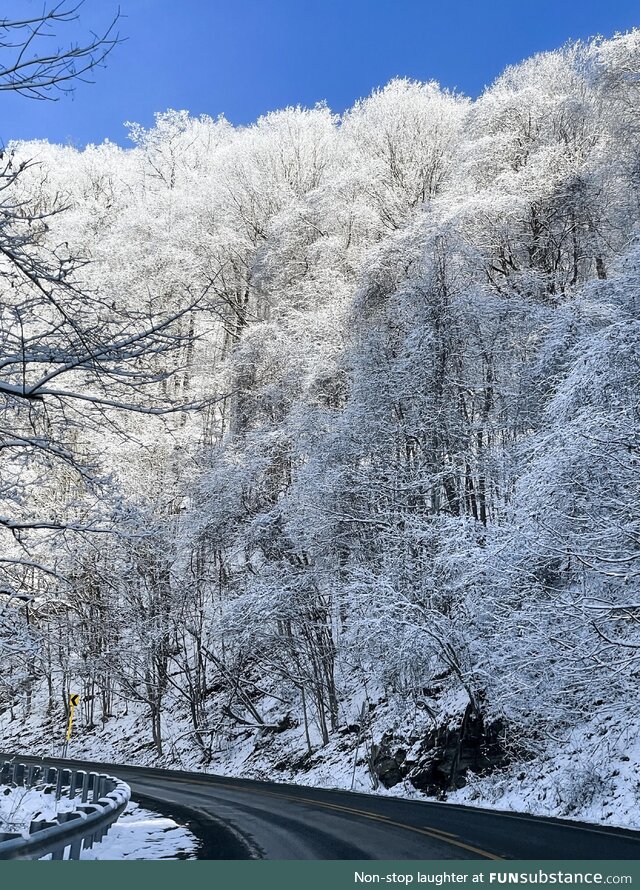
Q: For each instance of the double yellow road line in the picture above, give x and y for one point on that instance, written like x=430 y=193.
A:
x=435 y=833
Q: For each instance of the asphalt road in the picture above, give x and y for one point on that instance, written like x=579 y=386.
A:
x=240 y=819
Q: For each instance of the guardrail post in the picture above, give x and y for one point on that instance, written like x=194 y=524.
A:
x=85 y=786
x=18 y=773
x=88 y=809
x=35 y=774
x=59 y=784
x=101 y=785
x=76 y=847
x=93 y=784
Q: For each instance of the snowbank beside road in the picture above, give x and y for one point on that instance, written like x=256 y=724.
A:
x=141 y=834
x=20 y=806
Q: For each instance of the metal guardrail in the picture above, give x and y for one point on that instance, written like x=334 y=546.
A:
x=102 y=799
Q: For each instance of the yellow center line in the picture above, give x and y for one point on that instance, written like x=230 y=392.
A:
x=435 y=833
x=441 y=831
x=448 y=840
x=445 y=837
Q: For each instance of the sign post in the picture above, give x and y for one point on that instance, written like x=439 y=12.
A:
x=74 y=701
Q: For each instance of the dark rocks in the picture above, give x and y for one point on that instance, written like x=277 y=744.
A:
x=350 y=729
x=444 y=757
x=388 y=765
x=448 y=754
x=299 y=765
x=287 y=722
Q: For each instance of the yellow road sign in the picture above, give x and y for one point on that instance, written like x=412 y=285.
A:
x=74 y=701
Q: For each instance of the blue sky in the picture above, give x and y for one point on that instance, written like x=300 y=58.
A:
x=246 y=57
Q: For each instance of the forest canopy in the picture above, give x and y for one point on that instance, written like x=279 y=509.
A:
x=331 y=409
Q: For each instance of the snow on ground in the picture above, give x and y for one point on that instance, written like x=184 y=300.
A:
x=141 y=834
x=20 y=806
x=592 y=775
x=138 y=833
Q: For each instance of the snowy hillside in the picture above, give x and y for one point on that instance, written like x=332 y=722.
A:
x=592 y=775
